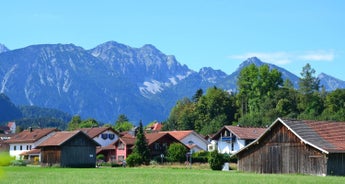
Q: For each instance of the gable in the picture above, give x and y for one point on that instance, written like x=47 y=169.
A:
x=326 y=137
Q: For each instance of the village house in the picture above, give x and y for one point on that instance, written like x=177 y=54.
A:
x=296 y=146
x=69 y=149
x=191 y=139
x=123 y=147
x=27 y=140
x=230 y=139
x=102 y=135
x=158 y=144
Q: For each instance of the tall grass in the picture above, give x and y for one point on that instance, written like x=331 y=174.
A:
x=38 y=175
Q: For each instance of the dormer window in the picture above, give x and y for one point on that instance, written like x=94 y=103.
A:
x=111 y=136
x=104 y=136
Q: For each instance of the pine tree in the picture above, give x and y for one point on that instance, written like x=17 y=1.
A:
x=141 y=147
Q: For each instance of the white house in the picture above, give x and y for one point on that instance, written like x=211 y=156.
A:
x=190 y=138
x=102 y=135
x=27 y=140
x=230 y=139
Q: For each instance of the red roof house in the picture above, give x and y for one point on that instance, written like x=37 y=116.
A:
x=28 y=140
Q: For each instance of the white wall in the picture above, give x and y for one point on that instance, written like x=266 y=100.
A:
x=107 y=141
x=196 y=140
x=16 y=153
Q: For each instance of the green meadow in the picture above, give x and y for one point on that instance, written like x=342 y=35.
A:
x=39 y=175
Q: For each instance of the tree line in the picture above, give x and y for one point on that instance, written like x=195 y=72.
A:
x=262 y=96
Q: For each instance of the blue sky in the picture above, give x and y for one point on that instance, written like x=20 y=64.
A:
x=219 y=33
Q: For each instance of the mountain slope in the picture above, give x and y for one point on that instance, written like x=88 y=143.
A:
x=109 y=80
x=330 y=83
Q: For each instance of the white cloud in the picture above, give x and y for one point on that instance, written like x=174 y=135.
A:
x=282 y=58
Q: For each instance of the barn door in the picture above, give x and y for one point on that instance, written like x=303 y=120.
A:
x=275 y=159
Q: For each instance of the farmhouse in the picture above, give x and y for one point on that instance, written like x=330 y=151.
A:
x=291 y=146
x=27 y=140
x=69 y=149
x=230 y=139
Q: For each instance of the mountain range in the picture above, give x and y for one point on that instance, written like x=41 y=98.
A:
x=112 y=79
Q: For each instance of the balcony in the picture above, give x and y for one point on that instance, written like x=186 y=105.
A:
x=228 y=139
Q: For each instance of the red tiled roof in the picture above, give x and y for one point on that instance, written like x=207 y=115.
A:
x=95 y=131
x=246 y=132
x=180 y=134
x=153 y=137
x=128 y=140
x=59 y=138
x=28 y=136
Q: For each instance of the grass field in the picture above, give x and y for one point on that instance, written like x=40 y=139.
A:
x=38 y=175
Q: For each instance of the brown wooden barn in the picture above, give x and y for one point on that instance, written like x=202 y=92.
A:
x=291 y=146
x=69 y=149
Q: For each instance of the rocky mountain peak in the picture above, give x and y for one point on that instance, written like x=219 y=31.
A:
x=3 y=48
x=253 y=60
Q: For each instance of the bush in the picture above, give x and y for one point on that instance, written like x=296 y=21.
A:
x=100 y=157
x=5 y=159
x=177 y=152
x=18 y=163
x=133 y=160
x=201 y=157
x=216 y=160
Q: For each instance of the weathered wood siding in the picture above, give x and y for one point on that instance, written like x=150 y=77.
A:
x=280 y=151
x=78 y=152
x=50 y=155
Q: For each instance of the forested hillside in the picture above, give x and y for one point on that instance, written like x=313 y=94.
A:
x=262 y=97
x=31 y=116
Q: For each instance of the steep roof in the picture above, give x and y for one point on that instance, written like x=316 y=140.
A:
x=246 y=133
x=324 y=135
x=31 y=136
x=327 y=137
x=60 y=138
x=95 y=131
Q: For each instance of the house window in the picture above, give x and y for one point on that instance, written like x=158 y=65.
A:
x=21 y=147
x=14 y=148
x=121 y=146
x=111 y=136
x=30 y=147
x=27 y=147
x=156 y=146
x=165 y=146
x=104 y=136
x=232 y=146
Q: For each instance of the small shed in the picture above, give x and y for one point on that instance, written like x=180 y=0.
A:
x=69 y=149
x=297 y=146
